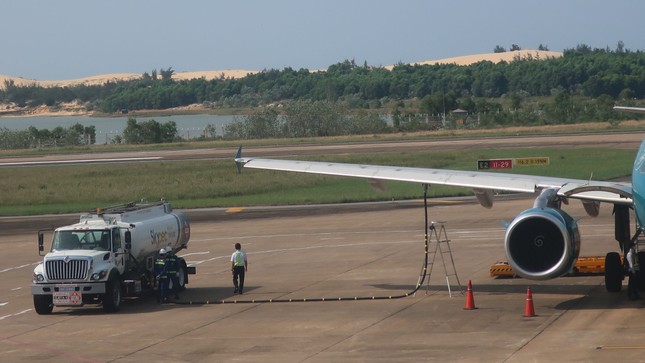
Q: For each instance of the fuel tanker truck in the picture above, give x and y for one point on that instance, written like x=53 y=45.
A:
x=109 y=254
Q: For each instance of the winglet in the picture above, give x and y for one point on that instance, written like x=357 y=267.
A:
x=239 y=162
x=630 y=109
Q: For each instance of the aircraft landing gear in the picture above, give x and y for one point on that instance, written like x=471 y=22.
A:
x=614 y=272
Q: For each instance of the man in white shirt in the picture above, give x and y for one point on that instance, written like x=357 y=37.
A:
x=239 y=266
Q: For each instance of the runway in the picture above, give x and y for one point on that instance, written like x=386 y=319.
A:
x=620 y=140
x=330 y=252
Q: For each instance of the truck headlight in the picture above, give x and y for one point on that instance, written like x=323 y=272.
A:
x=39 y=278
x=98 y=275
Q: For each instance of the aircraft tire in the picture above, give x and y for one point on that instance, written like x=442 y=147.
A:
x=613 y=272
x=641 y=273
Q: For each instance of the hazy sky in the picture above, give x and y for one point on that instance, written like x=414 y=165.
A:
x=68 y=39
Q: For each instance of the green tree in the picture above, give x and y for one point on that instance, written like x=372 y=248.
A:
x=149 y=132
x=439 y=103
x=315 y=118
x=263 y=123
x=516 y=100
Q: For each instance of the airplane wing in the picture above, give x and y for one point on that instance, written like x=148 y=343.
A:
x=630 y=109
x=542 y=242
x=483 y=183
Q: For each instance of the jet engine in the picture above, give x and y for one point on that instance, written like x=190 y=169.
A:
x=542 y=243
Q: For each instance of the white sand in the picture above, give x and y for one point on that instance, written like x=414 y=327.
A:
x=239 y=73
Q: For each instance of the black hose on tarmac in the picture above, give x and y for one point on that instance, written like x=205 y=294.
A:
x=422 y=276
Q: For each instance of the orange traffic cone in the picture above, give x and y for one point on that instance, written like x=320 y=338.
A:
x=529 y=311
x=470 y=300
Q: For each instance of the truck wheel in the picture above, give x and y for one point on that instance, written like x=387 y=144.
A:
x=183 y=275
x=613 y=272
x=112 y=297
x=43 y=304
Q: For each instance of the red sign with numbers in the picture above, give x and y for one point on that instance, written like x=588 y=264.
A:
x=495 y=164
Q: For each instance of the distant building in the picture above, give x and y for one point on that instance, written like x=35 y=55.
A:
x=460 y=116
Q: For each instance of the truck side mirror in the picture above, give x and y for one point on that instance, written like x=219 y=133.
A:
x=41 y=242
x=128 y=240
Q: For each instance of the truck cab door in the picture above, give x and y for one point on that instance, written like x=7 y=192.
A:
x=117 y=248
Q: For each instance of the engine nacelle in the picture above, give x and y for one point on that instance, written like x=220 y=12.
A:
x=542 y=243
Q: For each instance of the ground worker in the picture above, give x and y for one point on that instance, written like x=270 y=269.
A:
x=162 y=276
x=239 y=266
x=172 y=270
x=633 y=269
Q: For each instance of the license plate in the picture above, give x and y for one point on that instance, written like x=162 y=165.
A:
x=67 y=295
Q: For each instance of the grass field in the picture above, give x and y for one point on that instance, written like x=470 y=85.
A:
x=192 y=184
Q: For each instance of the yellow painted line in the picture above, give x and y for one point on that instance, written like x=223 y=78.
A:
x=617 y=347
x=235 y=210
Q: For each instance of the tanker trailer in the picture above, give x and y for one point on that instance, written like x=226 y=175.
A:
x=107 y=255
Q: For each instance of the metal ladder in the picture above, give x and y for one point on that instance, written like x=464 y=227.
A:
x=438 y=236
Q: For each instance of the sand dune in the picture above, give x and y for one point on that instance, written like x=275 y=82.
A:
x=239 y=73
x=101 y=79
x=497 y=57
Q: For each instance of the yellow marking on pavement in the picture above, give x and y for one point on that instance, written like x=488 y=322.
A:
x=617 y=347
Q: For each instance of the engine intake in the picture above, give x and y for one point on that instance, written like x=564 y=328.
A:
x=542 y=243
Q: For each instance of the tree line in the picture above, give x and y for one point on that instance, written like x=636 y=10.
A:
x=582 y=85
x=145 y=132
x=582 y=71
x=34 y=138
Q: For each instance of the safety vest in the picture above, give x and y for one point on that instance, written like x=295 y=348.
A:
x=160 y=268
x=239 y=258
x=171 y=264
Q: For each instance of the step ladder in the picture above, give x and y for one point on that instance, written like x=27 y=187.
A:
x=437 y=235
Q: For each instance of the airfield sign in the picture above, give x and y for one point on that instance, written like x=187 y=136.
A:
x=495 y=164
x=541 y=161
x=509 y=163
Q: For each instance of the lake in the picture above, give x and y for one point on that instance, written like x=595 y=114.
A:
x=189 y=126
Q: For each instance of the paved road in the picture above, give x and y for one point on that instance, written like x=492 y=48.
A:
x=336 y=252
x=623 y=140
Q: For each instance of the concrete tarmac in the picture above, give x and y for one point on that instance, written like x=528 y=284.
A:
x=336 y=252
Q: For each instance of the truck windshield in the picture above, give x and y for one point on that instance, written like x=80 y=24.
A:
x=81 y=240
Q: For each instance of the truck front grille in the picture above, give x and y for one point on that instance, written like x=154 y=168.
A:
x=70 y=270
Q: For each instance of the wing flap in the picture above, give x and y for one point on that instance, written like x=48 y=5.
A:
x=615 y=193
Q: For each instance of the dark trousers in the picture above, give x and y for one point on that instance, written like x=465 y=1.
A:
x=163 y=289
x=238 y=273
x=175 y=283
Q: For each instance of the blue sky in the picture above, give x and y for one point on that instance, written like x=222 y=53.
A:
x=68 y=39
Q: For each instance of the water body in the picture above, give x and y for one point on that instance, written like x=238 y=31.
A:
x=188 y=126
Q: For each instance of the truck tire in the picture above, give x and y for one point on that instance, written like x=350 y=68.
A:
x=43 y=304
x=183 y=275
x=613 y=272
x=112 y=297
